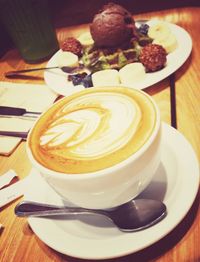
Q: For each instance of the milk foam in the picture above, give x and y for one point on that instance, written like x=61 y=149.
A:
x=92 y=126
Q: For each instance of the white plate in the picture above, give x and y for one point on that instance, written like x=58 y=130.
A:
x=176 y=183
x=56 y=79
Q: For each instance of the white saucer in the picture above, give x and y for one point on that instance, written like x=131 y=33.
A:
x=176 y=183
x=57 y=80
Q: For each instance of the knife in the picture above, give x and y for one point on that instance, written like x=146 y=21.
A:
x=15 y=111
x=22 y=135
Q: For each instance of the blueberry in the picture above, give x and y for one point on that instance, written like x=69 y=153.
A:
x=76 y=80
x=87 y=81
x=143 y=29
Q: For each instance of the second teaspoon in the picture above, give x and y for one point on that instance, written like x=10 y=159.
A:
x=16 y=73
x=132 y=216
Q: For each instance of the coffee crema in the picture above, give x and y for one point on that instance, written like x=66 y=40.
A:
x=93 y=129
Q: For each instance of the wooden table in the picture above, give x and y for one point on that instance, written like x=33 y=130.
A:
x=19 y=243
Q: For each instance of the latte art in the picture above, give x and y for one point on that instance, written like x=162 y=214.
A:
x=93 y=130
x=92 y=126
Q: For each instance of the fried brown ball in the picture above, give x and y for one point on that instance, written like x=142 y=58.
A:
x=71 y=44
x=153 y=57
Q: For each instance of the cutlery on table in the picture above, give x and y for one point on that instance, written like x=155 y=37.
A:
x=20 y=134
x=16 y=73
x=132 y=216
x=20 y=113
x=16 y=111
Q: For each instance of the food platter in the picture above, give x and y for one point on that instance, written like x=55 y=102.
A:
x=57 y=80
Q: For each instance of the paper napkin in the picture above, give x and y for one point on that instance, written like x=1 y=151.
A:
x=6 y=178
x=8 y=144
x=12 y=192
x=32 y=97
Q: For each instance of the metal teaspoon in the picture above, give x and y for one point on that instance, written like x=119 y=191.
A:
x=17 y=73
x=132 y=216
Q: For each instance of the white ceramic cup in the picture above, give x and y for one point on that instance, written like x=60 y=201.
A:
x=111 y=186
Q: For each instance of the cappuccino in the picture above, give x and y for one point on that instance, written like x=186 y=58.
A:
x=93 y=129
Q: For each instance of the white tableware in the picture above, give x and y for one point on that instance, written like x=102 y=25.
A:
x=111 y=185
x=176 y=183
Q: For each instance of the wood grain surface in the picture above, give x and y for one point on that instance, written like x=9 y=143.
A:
x=19 y=243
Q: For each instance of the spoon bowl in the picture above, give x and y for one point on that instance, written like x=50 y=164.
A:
x=132 y=216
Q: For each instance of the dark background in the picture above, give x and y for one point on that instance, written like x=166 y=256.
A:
x=65 y=12
x=82 y=11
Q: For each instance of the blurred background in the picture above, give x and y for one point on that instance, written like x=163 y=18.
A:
x=66 y=12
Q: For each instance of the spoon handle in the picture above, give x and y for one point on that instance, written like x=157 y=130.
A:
x=29 y=208
x=14 y=73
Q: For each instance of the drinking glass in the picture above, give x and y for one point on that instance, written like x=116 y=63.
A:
x=29 y=25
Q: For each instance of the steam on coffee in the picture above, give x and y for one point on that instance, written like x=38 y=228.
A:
x=93 y=130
